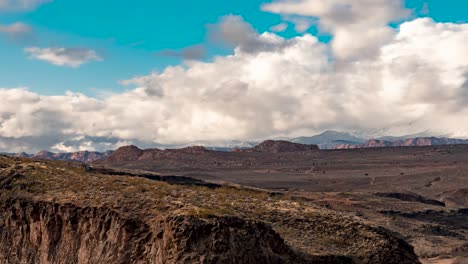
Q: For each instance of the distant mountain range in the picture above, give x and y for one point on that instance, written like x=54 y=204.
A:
x=412 y=142
x=327 y=140
x=201 y=156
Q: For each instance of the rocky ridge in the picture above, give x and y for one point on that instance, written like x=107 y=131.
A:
x=133 y=153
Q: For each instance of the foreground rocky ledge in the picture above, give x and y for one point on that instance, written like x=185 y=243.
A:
x=52 y=212
x=41 y=232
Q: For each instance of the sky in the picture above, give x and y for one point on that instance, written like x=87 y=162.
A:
x=96 y=75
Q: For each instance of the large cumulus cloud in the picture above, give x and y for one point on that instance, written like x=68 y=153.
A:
x=359 y=27
x=415 y=80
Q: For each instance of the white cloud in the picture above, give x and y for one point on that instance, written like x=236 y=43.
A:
x=360 y=27
x=281 y=27
x=270 y=86
x=17 y=31
x=21 y=5
x=70 y=57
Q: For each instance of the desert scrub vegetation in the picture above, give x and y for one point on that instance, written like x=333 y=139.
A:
x=61 y=182
x=143 y=198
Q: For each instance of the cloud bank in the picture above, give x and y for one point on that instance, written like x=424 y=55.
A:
x=400 y=81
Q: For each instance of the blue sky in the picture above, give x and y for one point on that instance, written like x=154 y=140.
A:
x=128 y=35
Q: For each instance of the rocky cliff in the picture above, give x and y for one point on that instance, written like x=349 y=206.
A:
x=44 y=232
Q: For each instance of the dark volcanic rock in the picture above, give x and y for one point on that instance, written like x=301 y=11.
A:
x=177 y=180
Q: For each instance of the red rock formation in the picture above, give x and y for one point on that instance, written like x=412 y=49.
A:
x=127 y=153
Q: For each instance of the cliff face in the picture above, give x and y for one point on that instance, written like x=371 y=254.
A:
x=42 y=232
